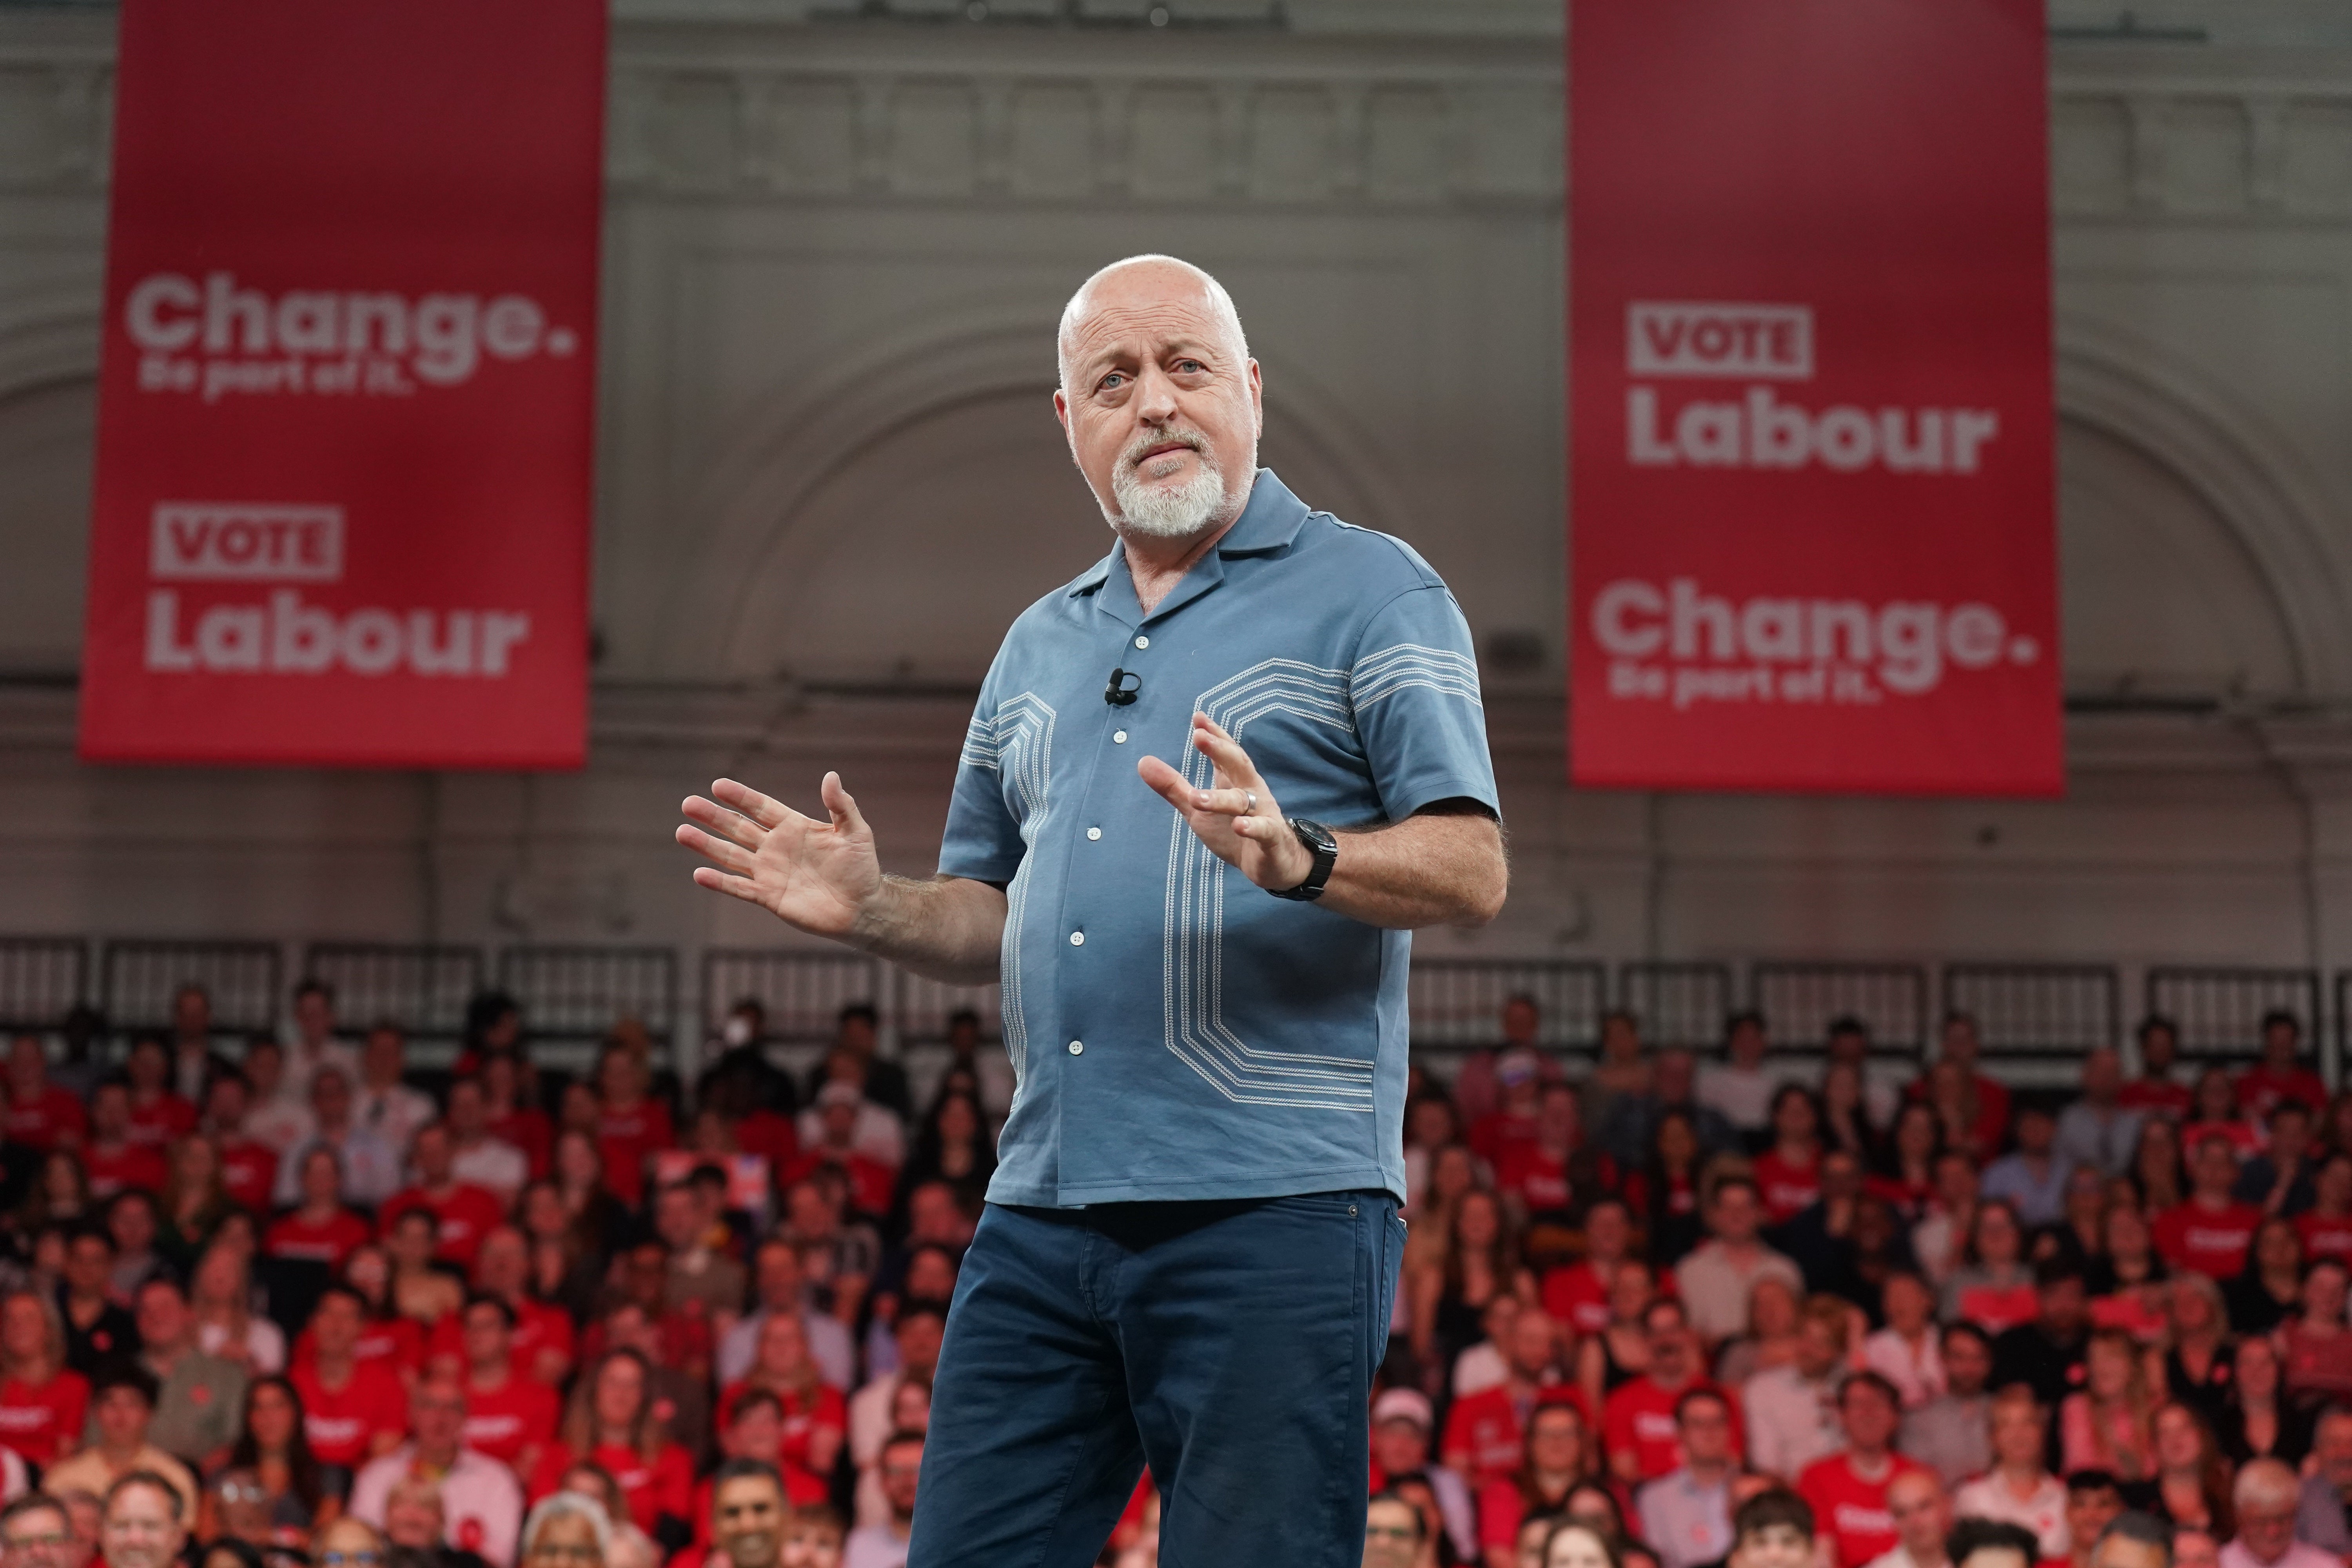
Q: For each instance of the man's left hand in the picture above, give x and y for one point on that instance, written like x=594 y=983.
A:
x=1237 y=816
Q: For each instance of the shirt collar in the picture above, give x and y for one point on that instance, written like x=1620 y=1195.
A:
x=1266 y=526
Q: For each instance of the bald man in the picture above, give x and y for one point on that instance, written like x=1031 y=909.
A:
x=1210 y=786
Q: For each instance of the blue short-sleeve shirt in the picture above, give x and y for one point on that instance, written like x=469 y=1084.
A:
x=1177 y=1031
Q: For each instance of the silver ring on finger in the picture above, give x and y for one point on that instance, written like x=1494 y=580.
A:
x=1250 y=795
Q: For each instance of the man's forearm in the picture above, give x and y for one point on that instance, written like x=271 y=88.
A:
x=1435 y=867
x=950 y=929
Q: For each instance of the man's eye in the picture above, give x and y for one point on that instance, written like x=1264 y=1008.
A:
x=1188 y=364
x=1114 y=376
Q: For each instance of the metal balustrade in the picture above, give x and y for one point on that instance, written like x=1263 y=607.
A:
x=1801 y=999
x=1677 y=1003
x=1458 y=1002
x=2038 y=1009
x=572 y=996
x=139 y=977
x=42 y=980
x=2219 y=1011
x=420 y=989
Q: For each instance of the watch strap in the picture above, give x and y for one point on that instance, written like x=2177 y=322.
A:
x=1320 y=844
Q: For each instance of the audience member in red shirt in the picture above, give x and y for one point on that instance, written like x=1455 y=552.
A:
x=249 y=1166
x=39 y=1115
x=509 y=1416
x=2210 y=1232
x=465 y=1212
x=2326 y=1229
x=113 y=1159
x=322 y=1229
x=1848 y=1491
x=512 y=1120
x=2159 y=1047
x=1535 y=1171
x=872 y=1183
x=753 y=1429
x=1789 y=1173
x=42 y=1405
x=1551 y=1467
x=815 y=1418
x=1576 y=1293
x=610 y=1421
x=2279 y=1075
x=1906 y=1176
x=1485 y=1432
x=1519 y=1079
x=1638 y=1422
x=1973 y=1108
x=2214 y=1111
x=630 y=1126
x=158 y=1115
x=352 y=1410
x=542 y=1340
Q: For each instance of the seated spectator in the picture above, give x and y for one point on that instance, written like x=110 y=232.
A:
x=381 y=1099
x=838 y=1255
x=2157 y=1176
x=121 y=1407
x=130 y=1220
x=194 y=1200
x=98 y=1328
x=1628 y=1129
x=354 y=1410
x=2094 y=1501
x=273 y=1453
x=477 y=1157
x=1740 y=1088
x=544 y=1338
x=696 y=1281
x=1847 y=1490
x=143 y=1522
x=2079 y=1235
x=481 y=1504
x=1542 y=1174
x=2190 y=1486
x=2046 y=1353
x=920 y=1326
x=815 y=1415
x=1949 y=1433
x=1485 y=1432
x=954 y=1146
x=1940 y=1240
x=630 y=1125
x=58 y=1195
x=829 y=1138
x=1772 y=1529
x=2281 y=1077
x=115 y=1159
x=1685 y=1514
x=2017 y=1490
x=2107 y=1425
x=2264 y=1499
x=248 y=1167
x=612 y=1421
x=39 y=1115
x=510 y=1117
x=221 y=1296
x=776 y=1269
x=1922 y=1512
x=414 y=1288
x=858 y=1035
x=2100 y=1130
x=1481 y=1261
x=1989 y=1544
x=1993 y=1286
x=1975 y=1108
x=387 y=1339
x=1792 y=1409
x=2126 y=1279
x=1550 y=1466
x=2321 y=1513
x=2278 y=1180
x=1714 y=1281
x=368 y=1165
x=884 y=1545
x=2327 y=1227
x=1638 y=1423
x=43 y=1402
x=2258 y=1422
x=2315 y=1347
x=1907 y=1351
x=631 y=1547
x=1664 y=1189
x=1485 y=1365
x=159 y=1115
x=1847 y=1124
x=274 y=1116
x=814 y=1536
x=1775 y=1316
x=1577 y=1294
x=509 y=1416
x=2271 y=1288
x=464 y=1212
x=1394 y=1532
x=2154 y=1091
x=1904 y=1173
x=197 y=1395
x=2216 y=1113
x=1403 y=1433
x=2197 y=1367
x=2031 y=1178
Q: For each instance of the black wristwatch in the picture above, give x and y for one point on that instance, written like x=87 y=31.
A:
x=1326 y=850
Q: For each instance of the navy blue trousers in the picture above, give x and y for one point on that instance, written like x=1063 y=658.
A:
x=1231 y=1345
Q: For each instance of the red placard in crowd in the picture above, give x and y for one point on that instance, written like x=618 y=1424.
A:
x=346 y=406
x=1811 y=506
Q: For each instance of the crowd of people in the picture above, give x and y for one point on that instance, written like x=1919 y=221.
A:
x=1892 y=1307
x=286 y=1286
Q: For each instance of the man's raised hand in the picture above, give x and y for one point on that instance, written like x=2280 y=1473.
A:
x=819 y=876
x=1236 y=816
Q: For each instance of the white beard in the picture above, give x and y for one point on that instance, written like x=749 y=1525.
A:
x=1165 y=513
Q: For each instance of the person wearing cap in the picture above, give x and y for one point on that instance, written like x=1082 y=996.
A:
x=1402 y=1424
x=1518 y=1084
x=830 y=1137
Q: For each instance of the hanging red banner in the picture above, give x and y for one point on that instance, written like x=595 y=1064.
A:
x=1812 y=502
x=347 y=388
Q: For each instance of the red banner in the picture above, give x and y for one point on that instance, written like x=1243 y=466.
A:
x=1812 y=503
x=346 y=405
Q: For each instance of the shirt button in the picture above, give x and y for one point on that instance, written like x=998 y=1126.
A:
x=1143 y=642
x=1077 y=939
x=1094 y=833
x=1077 y=1047
x=1118 y=737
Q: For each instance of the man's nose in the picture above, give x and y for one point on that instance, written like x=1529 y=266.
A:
x=1155 y=402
